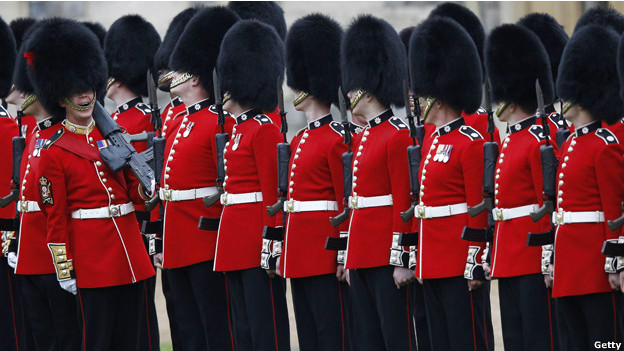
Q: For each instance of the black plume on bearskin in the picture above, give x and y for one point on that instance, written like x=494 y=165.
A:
x=20 y=26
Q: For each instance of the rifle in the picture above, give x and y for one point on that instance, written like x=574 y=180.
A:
x=120 y=153
x=347 y=160
x=220 y=140
x=275 y=235
x=413 y=153
x=549 y=173
x=283 y=158
x=490 y=155
x=155 y=140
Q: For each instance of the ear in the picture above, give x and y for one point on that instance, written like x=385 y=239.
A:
x=195 y=81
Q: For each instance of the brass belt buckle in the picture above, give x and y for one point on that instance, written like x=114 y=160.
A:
x=559 y=217
x=290 y=206
x=420 y=211
x=499 y=214
x=224 y=199
x=115 y=211
x=354 y=202
x=23 y=206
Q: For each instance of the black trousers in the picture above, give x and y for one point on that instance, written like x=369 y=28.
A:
x=319 y=313
x=112 y=316
x=525 y=313
x=458 y=319
x=201 y=307
x=420 y=319
x=560 y=330
x=382 y=313
x=15 y=332
x=589 y=318
x=149 y=339
x=259 y=311
x=52 y=313
x=348 y=315
x=176 y=340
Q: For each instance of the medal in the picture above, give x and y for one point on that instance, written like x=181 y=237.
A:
x=188 y=129
x=236 y=141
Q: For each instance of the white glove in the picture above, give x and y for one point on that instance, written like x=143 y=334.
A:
x=69 y=285
x=12 y=259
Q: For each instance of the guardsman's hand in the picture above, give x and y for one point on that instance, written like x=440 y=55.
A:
x=12 y=259
x=347 y=276
x=548 y=278
x=474 y=284
x=621 y=274
x=614 y=281
x=69 y=286
x=402 y=276
x=158 y=258
x=270 y=273
x=341 y=273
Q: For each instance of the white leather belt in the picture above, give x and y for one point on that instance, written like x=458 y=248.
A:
x=183 y=195
x=236 y=199
x=294 y=206
x=370 y=201
x=427 y=212
x=506 y=214
x=565 y=217
x=104 y=212
x=28 y=206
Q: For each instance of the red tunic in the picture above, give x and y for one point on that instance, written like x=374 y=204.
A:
x=191 y=163
x=617 y=128
x=519 y=183
x=441 y=251
x=33 y=255
x=174 y=109
x=589 y=178
x=105 y=251
x=29 y=123
x=379 y=168
x=251 y=162
x=8 y=130
x=316 y=174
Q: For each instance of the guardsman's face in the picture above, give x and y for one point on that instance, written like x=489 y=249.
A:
x=164 y=84
x=16 y=98
x=81 y=99
x=358 y=108
x=571 y=113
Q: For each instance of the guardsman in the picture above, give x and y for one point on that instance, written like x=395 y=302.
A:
x=589 y=188
x=554 y=38
x=515 y=58
x=9 y=298
x=250 y=66
x=129 y=48
x=316 y=186
x=19 y=27
x=175 y=108
x=199 y=293
x=268 y=12
x=380 y=280
x=92 y=234
x=471 y=23
x=170 y=113
x=451 y=174
x=51 y=311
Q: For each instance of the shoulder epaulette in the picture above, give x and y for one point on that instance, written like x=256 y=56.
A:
x=398 y=123
x=482 y=111
x=56 y=136
x=213 y=109
x=4 y=112
x=143 y=107
x=338 y=128
x=263 y=119
x=557 y=119
x=538 y=132
x=607 y=136
x=470 y=132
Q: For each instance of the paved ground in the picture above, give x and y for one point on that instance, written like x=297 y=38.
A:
x=165 y=335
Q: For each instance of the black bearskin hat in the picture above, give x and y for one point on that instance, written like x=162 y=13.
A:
x=608 y=17
x=176 y=27
x=251 y=64
x=268 y=12
x=374 y=60
x=54 y=73
x=405 y=34
x=588 y=73
x=444 y=64
x=514 y=59
x=313 y=57
x=20 y=26
x=198 y=47
x=7 y=61
x=20 y=74
x=98 y=30
x=550 y=33
x=129 y=47
x=466 y=19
